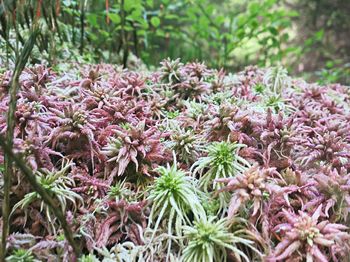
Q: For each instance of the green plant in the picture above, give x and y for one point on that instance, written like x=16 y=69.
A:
x=21 y=60
x=277 y=79
x=119 y=31
x=276 y=103
x=209 y=241
x=119 y=191
x=88 y=258
x=58 y=184
x=174 y=196
x=170 y=70
x=194 y=109
x=122 y=252
x=222 y=161
x=21 y=255
x=334 y=71
x=185 y=143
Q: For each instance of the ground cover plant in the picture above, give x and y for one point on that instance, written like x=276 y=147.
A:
x=183 y=163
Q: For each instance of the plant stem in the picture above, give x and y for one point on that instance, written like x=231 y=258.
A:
x=123 y=33
x=82 y=27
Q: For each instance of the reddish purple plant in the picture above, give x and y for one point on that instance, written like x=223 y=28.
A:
x=74 y=126
x=276 y=137
x=129 y=84
x=306 y=236
x=124 y=220
x=253 y=185
x=325 y=144
x=134 y=144
x=336 y=189
x=36 y=78
x=115 y=126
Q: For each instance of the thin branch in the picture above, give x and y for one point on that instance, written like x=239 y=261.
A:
x=123 y=34
x=82 y=26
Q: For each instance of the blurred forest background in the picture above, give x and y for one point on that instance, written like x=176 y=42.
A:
x=309 y=37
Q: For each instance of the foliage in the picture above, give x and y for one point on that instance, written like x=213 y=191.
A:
x=133 y=145
x=252 y=185
x=151 y=30
x=174 y=195
x=223 y=161
x=334 y=71
x=323 y=49
x=21 y=255
x=250 y=181
x=305 y=232
x=59 y=185
x=209 y=240
x=276 y=78
x=186 y=143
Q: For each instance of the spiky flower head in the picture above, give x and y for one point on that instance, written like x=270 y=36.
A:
x=119 y=191
x=275 y=102
x=335 y=185
x=88 y=258
x=194 y=109
x=59 y=185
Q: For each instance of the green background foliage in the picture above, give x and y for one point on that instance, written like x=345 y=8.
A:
x=307 y=37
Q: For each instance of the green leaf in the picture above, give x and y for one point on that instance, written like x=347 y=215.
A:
x=329 y=64
x=128 y=5
x=160 y=33
x=270 y=2
x=115 y=18
x=285 y=37
x=92 y=19
x=149 y=3
x=143 y=24
x=254 y=7
x=220 y=19
x=273 y=30
x=319 y=34
x=93 y=37
x=136 y=14
x=293 y=13
x=155 y=21
x=171 y=16
x=133 y=4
